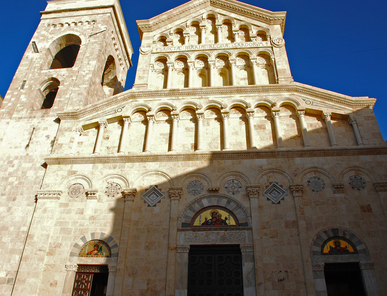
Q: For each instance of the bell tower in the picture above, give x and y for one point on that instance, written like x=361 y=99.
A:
x=79 y=54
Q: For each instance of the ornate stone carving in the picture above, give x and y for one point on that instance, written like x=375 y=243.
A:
x=247 y=248
x=145 y=49
x=233 y=187
x=214 y=237
x=275 y=192
x=175 y=193
x=76 y=190
x=213 y=189
x=112 y=189
x=381 y=186
x=71 y=267
x=357 y=182
x=195 y=188
x=91 y=194
x=316 y=184
x=253 y=191
x=182 y=249
x=153 y=195
x=278 y=42
x=129 y=194
x=235 y=45
x=318 y=266
x=338 y=188
x=49 y=194
x=297 y=190
x=367 y=265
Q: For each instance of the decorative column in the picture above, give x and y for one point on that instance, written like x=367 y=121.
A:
x=304 y=129
x=233 y=66
x=297 y=192
x=319 y=278
x=250 y=116
x=169 y=81
x=253 y=192
x=71 y=270
x=255 y=71
x=125 y=128
x=148 y=139
x=175 y=119
x=78 y=132
x=212 y=69
x=225 y=117
x=277 y=127
x=111 y=280
x=219 y=30
x=199 y=117
x=369 y=279
x=101 y=129
x=186 y=38
x=352 y=121
x=203 y=33
x=175 y=195
x=128 y=196
x=327 y=118
x=191 y=66
x=236 y=35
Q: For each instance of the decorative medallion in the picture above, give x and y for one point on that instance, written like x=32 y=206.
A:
x=357 y=182
x=233 y=186
x=214 y=216
x=145 y=49
x=195 y=188
x=76 y=190
x=153 y=195
x=278 y=42
x=95 y=248
x=316 y=184
x=113 y=189
x=275 y=192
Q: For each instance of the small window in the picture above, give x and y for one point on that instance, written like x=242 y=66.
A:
x=109 y=80
x=50 y=90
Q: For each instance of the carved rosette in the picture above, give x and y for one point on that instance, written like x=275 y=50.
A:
x=129 y=194
x=278 y=42
x=253 y=191
x=175 y=193
x=297 y=190
x=381 y=186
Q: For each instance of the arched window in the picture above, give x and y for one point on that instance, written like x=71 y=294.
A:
x=49 y=91
x=109 y=78
x=66 y=50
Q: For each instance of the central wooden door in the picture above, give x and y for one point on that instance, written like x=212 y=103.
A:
x=215 y=271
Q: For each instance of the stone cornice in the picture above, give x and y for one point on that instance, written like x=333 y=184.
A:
x=293 y=88
x=189 y=8
x=220 y=155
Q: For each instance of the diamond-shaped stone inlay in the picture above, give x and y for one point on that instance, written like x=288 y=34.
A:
x=357 y=182
x=275 y=192
x=153 y=195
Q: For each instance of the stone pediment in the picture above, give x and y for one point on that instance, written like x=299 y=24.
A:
x=195 y=9
x=300 y=95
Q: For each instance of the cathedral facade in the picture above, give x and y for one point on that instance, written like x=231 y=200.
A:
x=216 y=174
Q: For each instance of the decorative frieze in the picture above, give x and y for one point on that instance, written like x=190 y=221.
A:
x=236 y=45
x=49 y=194
x=215 y=237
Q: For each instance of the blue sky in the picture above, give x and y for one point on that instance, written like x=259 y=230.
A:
x=337 y=45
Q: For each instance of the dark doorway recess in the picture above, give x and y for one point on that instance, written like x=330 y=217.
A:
x=91 y=280
x=344 y=279
x=215 y=271
x=66 y=57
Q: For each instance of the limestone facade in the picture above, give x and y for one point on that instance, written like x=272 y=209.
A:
x=214 y=120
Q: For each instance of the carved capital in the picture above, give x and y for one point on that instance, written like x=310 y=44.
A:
x=129 y=194
x=175 y=193
x=247 y=248
x=182 y=249
x=326 y=116
x=367 y=265
x=253 y=191
x=91 y=193
x=103 y=124
x=381 y=186
x=297 y=190
x=225 y=115
x=250 y=114
x=175 y=117
x=275 y=113
x=127 y=119
x=338 y=188
x=318 y=266
x=352 y=120
x=49 y=194
x=71 y=267
x=301 y=113
x=213 y=189
x=151 y=118
x=79 y=130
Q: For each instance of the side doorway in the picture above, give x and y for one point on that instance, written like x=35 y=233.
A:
x=91 y=280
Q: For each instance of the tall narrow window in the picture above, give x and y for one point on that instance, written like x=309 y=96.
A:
x=109 y=78
x=49 y=91
x=65 y=51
